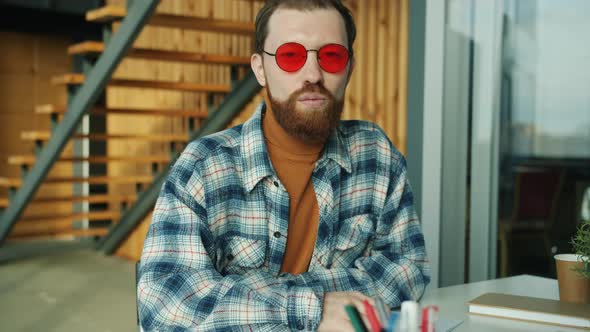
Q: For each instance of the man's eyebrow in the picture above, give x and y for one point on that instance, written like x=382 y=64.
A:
x=324 y=42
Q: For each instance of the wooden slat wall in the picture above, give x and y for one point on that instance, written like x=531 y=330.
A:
x=377 y=91
x=27 y=62
x=182 y=40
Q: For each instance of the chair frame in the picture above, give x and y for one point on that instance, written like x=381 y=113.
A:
x=505 y=229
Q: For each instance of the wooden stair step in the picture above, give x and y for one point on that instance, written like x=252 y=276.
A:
x=53 y=224
x=106 y=14
x=15 y=182
x=30 y=159
x=86 y=47
x=92 y=199
x=69 y=78
x=91 y=216
x=112 y=13
x=53 y=109
x=60 y=234
x=96 y=47
x=76 y=79
x=46 y=135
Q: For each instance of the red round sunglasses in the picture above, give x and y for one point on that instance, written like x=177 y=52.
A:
x=291 y=57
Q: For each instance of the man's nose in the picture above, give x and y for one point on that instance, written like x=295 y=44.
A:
x=311 y=70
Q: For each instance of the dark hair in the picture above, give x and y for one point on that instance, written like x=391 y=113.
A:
x=271 y=5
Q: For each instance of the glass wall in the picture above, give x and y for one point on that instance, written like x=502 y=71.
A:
x=545 y=130
x=516 y=135
x=546 y=78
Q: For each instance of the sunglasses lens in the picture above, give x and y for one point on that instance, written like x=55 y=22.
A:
x=291 y=57
x=333 y=58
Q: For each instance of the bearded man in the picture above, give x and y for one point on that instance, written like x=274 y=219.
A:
x=279 y=223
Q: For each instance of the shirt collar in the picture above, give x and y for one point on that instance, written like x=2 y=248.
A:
x=337 y=151
x=253 y=149
x=258 y=165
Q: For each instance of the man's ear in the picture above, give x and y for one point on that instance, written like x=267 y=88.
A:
x=258 y=68
x=350 y=70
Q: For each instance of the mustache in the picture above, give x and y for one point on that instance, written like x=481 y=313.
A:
x=315 y=88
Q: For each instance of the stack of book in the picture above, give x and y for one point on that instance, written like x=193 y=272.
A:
x=531 y=309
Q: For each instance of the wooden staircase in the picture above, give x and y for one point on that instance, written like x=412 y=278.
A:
x=94 y=48
x=94 y=212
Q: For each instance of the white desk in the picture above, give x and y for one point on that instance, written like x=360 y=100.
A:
x=452 y=303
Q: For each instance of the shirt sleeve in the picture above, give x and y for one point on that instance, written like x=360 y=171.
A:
x=179 y=287
x=396 y=266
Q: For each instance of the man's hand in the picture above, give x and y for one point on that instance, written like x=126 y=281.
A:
x=334 y=317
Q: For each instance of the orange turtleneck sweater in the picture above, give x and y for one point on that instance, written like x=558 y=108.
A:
x=294 y=162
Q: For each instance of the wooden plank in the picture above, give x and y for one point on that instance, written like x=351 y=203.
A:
x=188 y=57
x=106 y=14
x=52 y=109
x=93 y=47
x=70 y=78
x=11 y=182
x=371 y=57
x=111 y=13
x=86 y=47
x=46 y=135
x=382 y=113
x=90 y=216
x=70 y=217
x=94 y=199
x=75 y=78
x=403 y=74
x=61 y=234
x=52 y=224
x=180 y=86
x=20 y=160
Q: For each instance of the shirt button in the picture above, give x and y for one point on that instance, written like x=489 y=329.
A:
x=277 y=234
x=230 y=257
x=276 y=184
x=300 y=326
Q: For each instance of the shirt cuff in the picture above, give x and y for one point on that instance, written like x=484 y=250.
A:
x=304 y=308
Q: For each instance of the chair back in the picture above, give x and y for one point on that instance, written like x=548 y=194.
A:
x=537 y=194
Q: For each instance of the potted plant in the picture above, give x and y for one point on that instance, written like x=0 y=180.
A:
x=573 y=270
x=581 y=243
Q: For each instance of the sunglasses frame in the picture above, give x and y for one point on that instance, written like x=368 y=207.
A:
x=306 y=56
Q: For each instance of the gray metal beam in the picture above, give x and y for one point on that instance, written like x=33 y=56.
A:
x=415 y=110
x=425 y=97
x=232 y=105
x=84 y=99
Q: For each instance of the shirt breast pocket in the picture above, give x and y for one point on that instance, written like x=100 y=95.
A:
x=353 y=240
x=241 y=254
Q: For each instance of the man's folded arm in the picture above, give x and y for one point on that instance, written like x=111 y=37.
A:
x=396 y=267
x=180 y=288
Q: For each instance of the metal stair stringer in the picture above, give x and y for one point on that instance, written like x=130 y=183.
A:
x=242 y=93
x=138 y=15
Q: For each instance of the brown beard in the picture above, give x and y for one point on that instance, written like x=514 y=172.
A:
x=312 y=126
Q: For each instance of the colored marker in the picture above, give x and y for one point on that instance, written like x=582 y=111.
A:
x=355 y=319
x=393 y=320
x=372 y=317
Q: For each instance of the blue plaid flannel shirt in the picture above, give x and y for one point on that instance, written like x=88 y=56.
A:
x=212 y=256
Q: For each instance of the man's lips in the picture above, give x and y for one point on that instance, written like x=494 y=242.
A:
x=312 y=100
x=311 y=96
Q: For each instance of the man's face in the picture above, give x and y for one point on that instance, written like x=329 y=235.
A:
x=307 y=103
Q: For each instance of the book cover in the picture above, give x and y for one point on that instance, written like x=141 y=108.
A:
x=531 y=309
